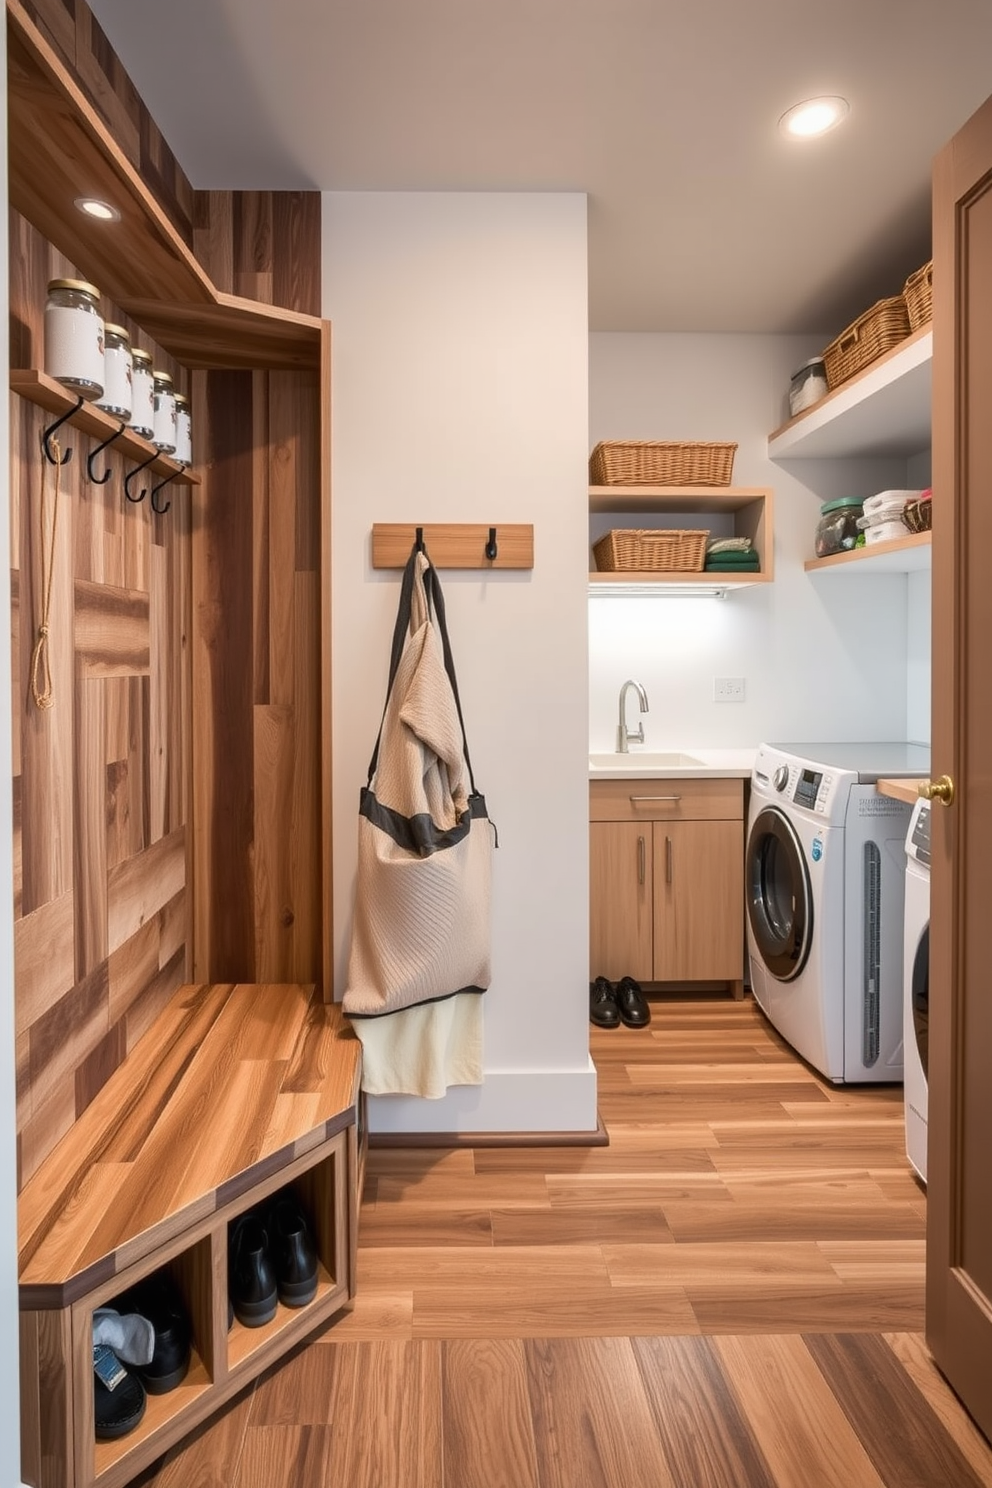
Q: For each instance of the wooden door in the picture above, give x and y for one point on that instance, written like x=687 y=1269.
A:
x=620 y=937
x=698 y=901
x=959 y=1231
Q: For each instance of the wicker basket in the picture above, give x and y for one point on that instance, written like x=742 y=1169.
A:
x=918 y=515
x=650 y=462
x=918 y=294
x=881 y=327
x=651 y=550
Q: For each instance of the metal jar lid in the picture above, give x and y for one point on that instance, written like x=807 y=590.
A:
x=80 y=286
x=158 y=376
x=145 y=357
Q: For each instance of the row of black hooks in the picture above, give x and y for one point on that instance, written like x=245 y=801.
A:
x=100 y=480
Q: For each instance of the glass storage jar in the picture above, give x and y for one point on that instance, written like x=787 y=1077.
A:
x=808 y=385
x=837 y=530
x=74 y=336
x=117 y=365
x=142 y=393
x=164 y=421
x=184 y=431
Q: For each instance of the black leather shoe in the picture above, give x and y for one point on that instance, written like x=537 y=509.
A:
x=251 y=1277
x=157 y=1299
x=632 y=1004
x=293 y=1253
x=119 y=1410
x=603 y=1009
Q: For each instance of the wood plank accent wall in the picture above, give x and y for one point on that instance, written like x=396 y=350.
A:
x=102 y=778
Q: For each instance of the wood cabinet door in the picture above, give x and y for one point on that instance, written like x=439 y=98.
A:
x=620 y=936
x=959 y=1201
x=698 y=901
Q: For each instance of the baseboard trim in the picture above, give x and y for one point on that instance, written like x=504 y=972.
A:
x=598 y=1138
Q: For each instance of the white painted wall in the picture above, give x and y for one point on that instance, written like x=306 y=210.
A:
x=10 y=1428
x=460 y=349
x=825 y=656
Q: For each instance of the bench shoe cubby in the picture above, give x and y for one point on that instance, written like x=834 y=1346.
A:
x=237 y=1092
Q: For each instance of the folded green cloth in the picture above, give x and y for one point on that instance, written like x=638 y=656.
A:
x=729 y=561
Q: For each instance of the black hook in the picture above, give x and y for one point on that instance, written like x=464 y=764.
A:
x=492 y=551
x=137 y=471
x=46 y=436
x=101 y=480
x=161 y=510
x=419 y=540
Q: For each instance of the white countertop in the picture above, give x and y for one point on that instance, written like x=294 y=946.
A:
x=687 y=764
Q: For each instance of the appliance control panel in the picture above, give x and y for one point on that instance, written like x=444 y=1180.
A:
x=918 y=838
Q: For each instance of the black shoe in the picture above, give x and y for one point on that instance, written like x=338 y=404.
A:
x=251 y=1278
x=603 y=1009
x=157 y=1299
x=119 y=1410
x=293 y=1253
x=632 y=1004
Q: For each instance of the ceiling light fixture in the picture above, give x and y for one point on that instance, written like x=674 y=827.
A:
x=813 y=117
x=93 y=207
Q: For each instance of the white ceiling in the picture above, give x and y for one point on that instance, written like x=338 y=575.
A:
x=701 y=215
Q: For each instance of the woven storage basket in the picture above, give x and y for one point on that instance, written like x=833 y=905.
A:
x=918 y=515
x=651 y=462
x=651 y=550
x=881 y=327
x=918 y=294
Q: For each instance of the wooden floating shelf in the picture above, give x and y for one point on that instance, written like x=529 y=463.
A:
x=902 y=555
x=671 y=498
x=59 y=149
x=454 y=545
x=37 y=387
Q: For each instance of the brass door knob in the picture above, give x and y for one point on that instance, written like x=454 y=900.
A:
x=941 y=790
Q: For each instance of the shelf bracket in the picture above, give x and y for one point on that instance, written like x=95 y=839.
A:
x=137 y=471
x=60 y=459
x=101 y=480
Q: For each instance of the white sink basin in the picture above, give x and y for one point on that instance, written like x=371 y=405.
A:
x=637 y=761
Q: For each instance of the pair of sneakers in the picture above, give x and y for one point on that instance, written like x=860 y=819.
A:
x=613 y=1003
x=271 y=1259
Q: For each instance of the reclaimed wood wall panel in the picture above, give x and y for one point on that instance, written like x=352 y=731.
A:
x=256 y=681
x=101 y=777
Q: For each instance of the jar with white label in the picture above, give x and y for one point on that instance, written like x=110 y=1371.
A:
x=164 y=420
x=142 y=393
x=74 y=336
x=117 y=365
x=184 y=431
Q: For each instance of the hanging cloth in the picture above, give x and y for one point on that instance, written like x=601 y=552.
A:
x=421 y=939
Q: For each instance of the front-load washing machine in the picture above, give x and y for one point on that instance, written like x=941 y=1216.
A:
x=916 y=980
x=824 y=882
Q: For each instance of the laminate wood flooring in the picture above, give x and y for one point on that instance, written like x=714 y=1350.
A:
x=730 y=1294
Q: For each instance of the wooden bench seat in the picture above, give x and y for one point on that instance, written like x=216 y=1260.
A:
x=235 y=1091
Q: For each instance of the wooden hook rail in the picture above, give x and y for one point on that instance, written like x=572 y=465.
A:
x=455 y=544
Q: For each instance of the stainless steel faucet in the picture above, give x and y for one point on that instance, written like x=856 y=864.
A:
x=624 y=734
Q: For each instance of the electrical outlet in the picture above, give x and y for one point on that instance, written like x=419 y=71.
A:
x=728 y=689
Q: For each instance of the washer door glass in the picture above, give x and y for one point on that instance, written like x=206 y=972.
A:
x=779 y=898
x=920 y=995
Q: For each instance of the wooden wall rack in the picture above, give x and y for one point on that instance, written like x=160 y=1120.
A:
x=455 y=544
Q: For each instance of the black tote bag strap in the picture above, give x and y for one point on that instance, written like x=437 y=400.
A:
x=435 y=602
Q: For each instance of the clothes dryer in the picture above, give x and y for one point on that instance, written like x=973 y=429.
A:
x=824 y=883
x=916 y=983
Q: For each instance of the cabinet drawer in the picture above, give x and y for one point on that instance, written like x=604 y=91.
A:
x=714 y=799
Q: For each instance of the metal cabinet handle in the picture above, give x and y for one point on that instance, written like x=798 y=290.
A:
x=668 y=859
x=641 y=860
x=634 y=799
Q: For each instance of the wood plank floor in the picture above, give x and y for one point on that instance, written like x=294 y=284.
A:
x=730 y=1294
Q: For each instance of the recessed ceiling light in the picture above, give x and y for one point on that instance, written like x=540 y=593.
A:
x=95 y=208
x=814 y=116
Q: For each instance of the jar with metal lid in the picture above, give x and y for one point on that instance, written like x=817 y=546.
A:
x=164 y=421
x=142 y=393
x=184 y=431
x=808 y=385
x=74 y=336
x=837 y=530
x=117 y=364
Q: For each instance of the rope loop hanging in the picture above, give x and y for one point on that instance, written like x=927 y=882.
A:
x=41 y=670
